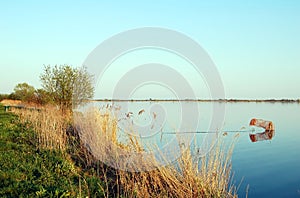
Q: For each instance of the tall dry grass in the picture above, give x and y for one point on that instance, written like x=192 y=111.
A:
x=49 y=124
x=208 y=176
x=189 y=176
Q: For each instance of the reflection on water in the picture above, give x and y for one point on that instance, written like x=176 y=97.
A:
x=267 y=135
x=270 y=168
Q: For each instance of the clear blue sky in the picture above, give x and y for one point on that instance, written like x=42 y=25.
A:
x=254 y=44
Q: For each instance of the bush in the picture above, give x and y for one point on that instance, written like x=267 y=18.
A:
x=4 y=96
x=67 y=86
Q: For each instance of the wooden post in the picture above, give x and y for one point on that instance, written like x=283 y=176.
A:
x=6 y=108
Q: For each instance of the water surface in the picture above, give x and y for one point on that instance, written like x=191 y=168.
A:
x=270 y=168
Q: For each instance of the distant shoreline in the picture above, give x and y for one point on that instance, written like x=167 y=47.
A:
x=201 y=100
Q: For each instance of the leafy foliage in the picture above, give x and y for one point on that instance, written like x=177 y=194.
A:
x=42 y=97
x=66 y=85
x=24 y=92
x=4 y=96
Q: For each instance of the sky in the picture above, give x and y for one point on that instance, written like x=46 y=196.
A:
x=255 y=45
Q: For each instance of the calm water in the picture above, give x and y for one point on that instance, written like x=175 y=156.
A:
x=271 y=168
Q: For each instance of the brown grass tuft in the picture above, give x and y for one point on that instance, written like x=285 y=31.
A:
x=49 y=124
x=208 y=176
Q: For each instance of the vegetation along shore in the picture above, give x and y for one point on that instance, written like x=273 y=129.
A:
x=43 y=152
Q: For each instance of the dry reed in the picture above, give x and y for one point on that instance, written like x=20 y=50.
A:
x=49 y=124
x=208 y=176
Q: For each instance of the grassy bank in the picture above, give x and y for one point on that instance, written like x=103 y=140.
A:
x=42 y=155
x=27 y=170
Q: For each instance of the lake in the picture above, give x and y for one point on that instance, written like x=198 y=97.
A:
x=271 y=168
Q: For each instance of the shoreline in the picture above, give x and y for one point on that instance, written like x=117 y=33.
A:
x=201 y=100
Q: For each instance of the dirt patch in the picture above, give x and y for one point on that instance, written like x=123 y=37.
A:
x=11 y=102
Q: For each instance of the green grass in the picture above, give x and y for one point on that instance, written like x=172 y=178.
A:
x=27 y=171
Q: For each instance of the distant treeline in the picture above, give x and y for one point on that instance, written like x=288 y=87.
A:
x=201 y=100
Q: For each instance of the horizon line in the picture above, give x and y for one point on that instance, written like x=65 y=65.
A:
x=197 y=100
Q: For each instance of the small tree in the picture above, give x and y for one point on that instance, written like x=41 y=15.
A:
x=24 y=92
x=67 y=86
